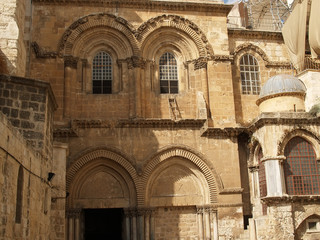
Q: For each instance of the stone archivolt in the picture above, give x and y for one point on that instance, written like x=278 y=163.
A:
x=141 y=179
x=249 y=46
x=89 y=29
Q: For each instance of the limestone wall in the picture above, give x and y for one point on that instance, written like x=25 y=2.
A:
x=12 y=23
x=29 y=106
x=36 y=192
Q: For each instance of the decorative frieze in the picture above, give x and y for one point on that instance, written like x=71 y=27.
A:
x=41 y=53
x=228 y=191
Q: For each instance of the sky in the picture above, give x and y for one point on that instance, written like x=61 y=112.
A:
x=230 y=1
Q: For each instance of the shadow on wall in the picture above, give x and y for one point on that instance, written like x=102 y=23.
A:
x=5 y=64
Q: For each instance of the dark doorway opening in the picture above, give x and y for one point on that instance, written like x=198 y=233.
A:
x=101 y=224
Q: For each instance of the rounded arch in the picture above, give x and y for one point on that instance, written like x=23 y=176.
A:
x=308 y=135
x=75 y=31
x=174 y=26
x=211 y=177
x=314 y=211
x=247 y=48
x=102 y=160
x=254 y=148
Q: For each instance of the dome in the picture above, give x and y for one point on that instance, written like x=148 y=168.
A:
x=282 y=84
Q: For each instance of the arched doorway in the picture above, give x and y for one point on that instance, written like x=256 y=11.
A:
x=101 y=188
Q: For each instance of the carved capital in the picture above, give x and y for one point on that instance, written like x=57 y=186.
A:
x=71 y=61
x=136 y=62
x=73 y=213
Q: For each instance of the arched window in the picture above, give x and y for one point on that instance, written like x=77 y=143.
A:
x=301 y=168
x=19 y=196
x=168 y=74
x=102 y=74
x=249 y=74
x=262 y=180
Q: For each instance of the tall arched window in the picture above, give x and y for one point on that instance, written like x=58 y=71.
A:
x=102 y=74
x=249 y=75
x=301 y=168
x=168 y=74
x=19 y=196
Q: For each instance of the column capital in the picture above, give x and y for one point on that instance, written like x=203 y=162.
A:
x=280 y=158
x=75 y=212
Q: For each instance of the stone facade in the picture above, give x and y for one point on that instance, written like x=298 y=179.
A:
x=160 y=166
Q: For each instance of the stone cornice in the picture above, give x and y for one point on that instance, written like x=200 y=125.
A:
x=288 y=118
x=260 y=100
x=255 y=34
x=291 y=199
x=139 y=123
x=215 y=7
x=228 y=191
x=224 y=132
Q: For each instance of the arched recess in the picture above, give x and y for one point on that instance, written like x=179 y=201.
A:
x=125 y=31
x=189 y=167
x=176 y=28
x=308 y=135
x=247 y=48
x=114 y=179
x=254 y=148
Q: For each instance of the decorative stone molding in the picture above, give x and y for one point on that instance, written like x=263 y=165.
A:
x=41 y=53
x=70 y=61
x=212 y=178
x=222 y=58
x=270 y=201
x=147 y=5
x=206 y=208
x=267 y=158
x=136 y=62
x=107 y=154
x=228 y=191
x=260 y=100
x=138 y=123
x=254 y=34
x=199 y=63
x=85 y=23
x=180 y=23
x=64 y=133
x=249 y=46
x=298 y=131
x=225 y=132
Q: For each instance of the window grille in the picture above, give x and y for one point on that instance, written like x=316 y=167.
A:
x=249 y=75
x=168 y=74
x=262 y=180
x=301 y=168
x=102 y=74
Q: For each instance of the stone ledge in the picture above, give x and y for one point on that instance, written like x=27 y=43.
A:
x=291 y=199
x=205 y=6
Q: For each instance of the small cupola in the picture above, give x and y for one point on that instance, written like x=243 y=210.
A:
x=282 y=93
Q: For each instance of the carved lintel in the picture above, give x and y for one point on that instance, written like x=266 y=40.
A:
x=206 y=208
x=71 y=61
x=41 y=53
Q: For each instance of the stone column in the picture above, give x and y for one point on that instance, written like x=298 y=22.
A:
x=127 y=214
x=274 y=175
x=200 y=221
x=206 y=219
x=74 y=229
x=214 y=234
x=77 y=227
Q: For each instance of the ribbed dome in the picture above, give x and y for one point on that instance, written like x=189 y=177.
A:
x=282 y=84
